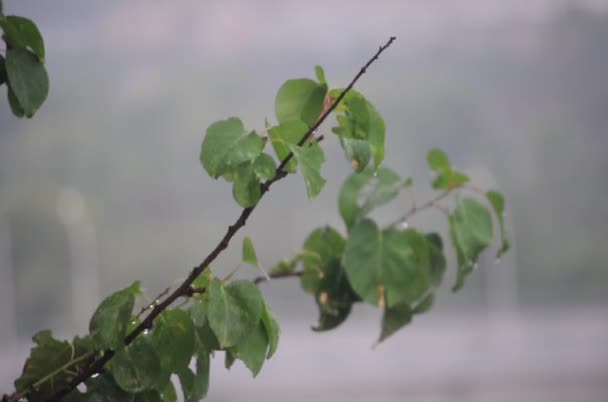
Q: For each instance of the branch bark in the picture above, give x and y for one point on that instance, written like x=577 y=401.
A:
x=184 y=288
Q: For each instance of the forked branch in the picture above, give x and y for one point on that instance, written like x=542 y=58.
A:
x=184 y=289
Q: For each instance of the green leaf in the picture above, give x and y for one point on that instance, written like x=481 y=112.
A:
x=326 y=242
x=324 y=277
x=234 y=310
x=16 y=107
x=387 y=267
x=424 y=305
x=328 y=321
x=334 y=295
x=300 y=99
x=195 y=386
x=136 y=367
x=458 y=179
x=202 y=281
x=394 y=319
x=355 y=121
x=264 y=167
x=438 y=160
x=284 y=266
x=249 y=255
x=27 y=78
x=320 y=74
x=246 y=190
x=447 y=177
x=198 y=312
x=471 y=229
x=47 y=356
x=385 y=186
x=104 y=389
x=358 y=152
x=252 y=349
x=360 y=120
x=349 y=195
x=271 y=326
x=206 y=339
x=229 y=359
x=247 y=149
x=2 y=70
x=436 y=258
x=108 y=326
x=284 y=135
x=203 y=367
x=310 y=159
x=173 y=339
x=497 y=201
x=227 y=145
x=148 y=396
x=320 y=245
x=168 y=394
x=21 y=32
x=82 y=347
x=376 y=134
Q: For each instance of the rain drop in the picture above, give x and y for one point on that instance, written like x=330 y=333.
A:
x=146 y=331
x=95 y=375
x=403 y=225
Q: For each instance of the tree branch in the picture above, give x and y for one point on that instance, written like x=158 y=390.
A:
x=185 y=288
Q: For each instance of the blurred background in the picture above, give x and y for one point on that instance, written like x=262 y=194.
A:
x=104 y=185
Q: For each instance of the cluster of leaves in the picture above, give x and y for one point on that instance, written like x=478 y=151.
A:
x=230 y=317
x=395 y=268
x=237 y=155
x=22 y=67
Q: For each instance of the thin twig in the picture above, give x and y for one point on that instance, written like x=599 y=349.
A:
x=418 y=208
x=153 y=303
x=278 y=275
x=185 y=287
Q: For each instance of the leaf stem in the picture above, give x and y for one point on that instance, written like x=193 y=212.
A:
x=277 y=275
x=19 y=395
x=185 y=287
x=434 y=203
x=414 y=209
x=66 y=366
